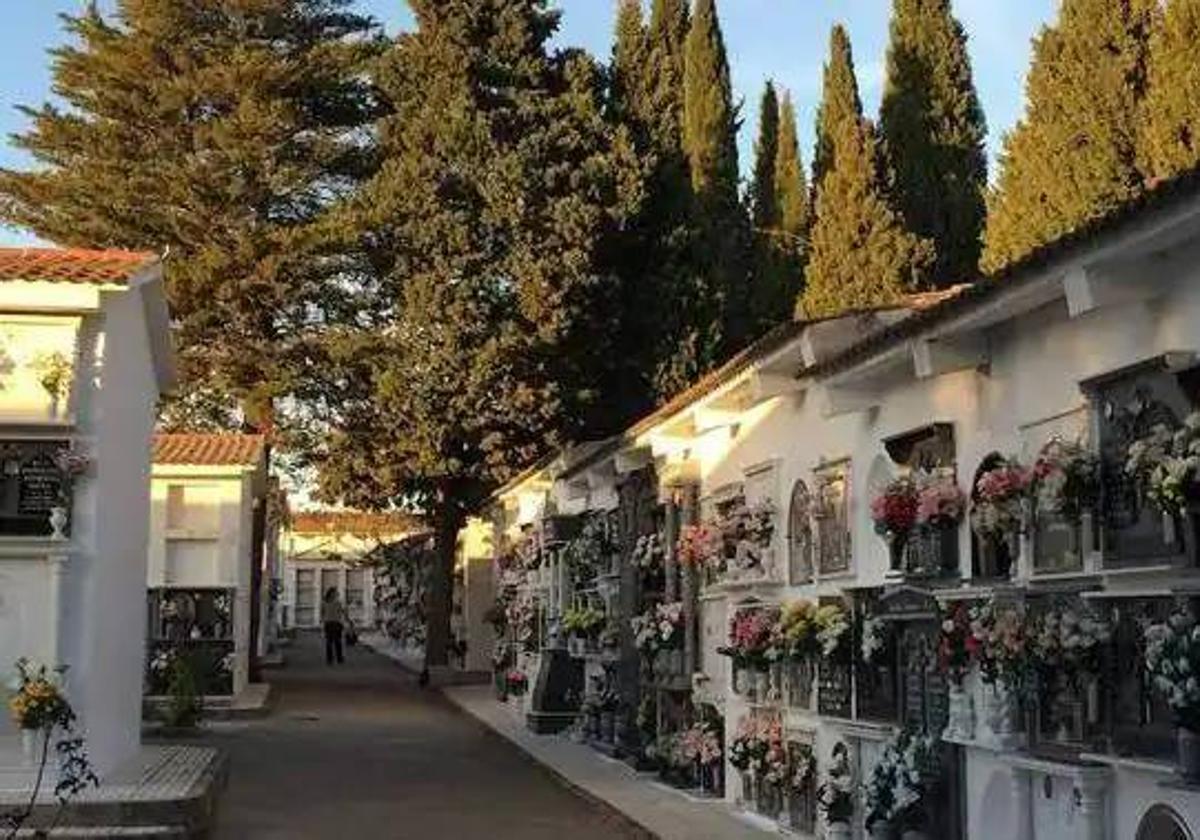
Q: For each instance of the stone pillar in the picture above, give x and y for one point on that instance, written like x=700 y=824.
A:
x=1022 y=801
x=1093 y=806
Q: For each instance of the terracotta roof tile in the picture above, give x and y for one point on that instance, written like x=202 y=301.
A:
x=208 y=450
x=355 y=522
x=71 y=265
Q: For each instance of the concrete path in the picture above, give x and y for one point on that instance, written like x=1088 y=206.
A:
x=360 y=752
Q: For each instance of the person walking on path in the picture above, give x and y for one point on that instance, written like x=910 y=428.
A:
x=335 y=620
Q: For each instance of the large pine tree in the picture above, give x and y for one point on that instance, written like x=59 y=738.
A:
x=1169 y=137
x=1073 y=156
x=221 y=133
x=496 y=211
x=933 y=130
x=860 y=255
x=722 y=246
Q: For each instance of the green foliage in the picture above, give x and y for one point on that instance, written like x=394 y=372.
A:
x=722 y=247
x=779 y=207
x=859 y=255
x=183 y=707
x=496 y=212
x=934 y=129
x=1169 y=137
x=1072 y=157
x=221 y=133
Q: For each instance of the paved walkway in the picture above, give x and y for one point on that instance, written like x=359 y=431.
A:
x=360 y=752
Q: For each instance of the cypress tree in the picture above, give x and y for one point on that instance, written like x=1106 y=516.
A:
x=226 y=133
x=629 y=78
x=498 y=205
x=764 y=211
x=792 y=198
x=710 y=143
x=933 y=129
x=779 y=213
x=1073 y=156
x=840 y=103
x=860 y=255
x=1169 y=140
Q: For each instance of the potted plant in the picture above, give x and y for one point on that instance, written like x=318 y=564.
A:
x=940 y=508
x=775 y=772
x=753 y=646
x=894 y=513
x=700 y=744
x=1066 y=484
x=1065 y=649
x=582 y=625
x=899 y=785
x=797 y=630
x=998 y=507
x=38 y=707
x=957 y=646
x=1165 y=464
x=999 y=639
x=835 y=798
x=747 y=752
x=1173 y=661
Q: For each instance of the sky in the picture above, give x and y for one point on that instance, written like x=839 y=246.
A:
x=767 y=39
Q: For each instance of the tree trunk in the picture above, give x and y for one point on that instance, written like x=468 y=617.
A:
x=450 y=521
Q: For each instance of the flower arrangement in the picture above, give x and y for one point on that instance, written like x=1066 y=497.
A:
x=874 y=639
x=898 y=786
x=522 y=617
x=802 y=767
x=753 y=641
x=1066 y=480
x=699 y=744
x=517 y=682
x=997 y=512
x=999 y=638
x=38 y=702
x=776 y=765
x=835 y=798
x=1067 y=643
x=940 y=503
x=648 y=552
x=797 y=629
x=1166 y=464
x=54 y=372
x=1173 y=661
x=583 y=622
x=832 y=626
x=700 y=546
x=742 y=522
x=748 y=749
x=957 y=645
x=593 y=546
x=658 y=628
x=894 y=510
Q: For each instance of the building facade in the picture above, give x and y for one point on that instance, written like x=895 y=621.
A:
x=674 y=575
x=207 y=559
x=84 y=355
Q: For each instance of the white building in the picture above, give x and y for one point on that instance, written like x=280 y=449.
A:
x=1092 y=340
x=84 y=355
x=208 y=537
x=325 y=550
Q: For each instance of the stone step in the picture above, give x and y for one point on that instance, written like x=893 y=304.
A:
x=140 y=832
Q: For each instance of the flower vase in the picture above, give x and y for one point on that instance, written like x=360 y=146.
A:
x=675 y=662
x=748 y=796
x=961 y=723
x=896 y=545
x=881 y=830
x=58 y=523
x=767 y=800
x=739 y=680
x=1189 y=755
x=762 y=686
x=1001 y=711
x=608 y=727
x=1069 y=713
x=29 y=747
x=838 y=831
